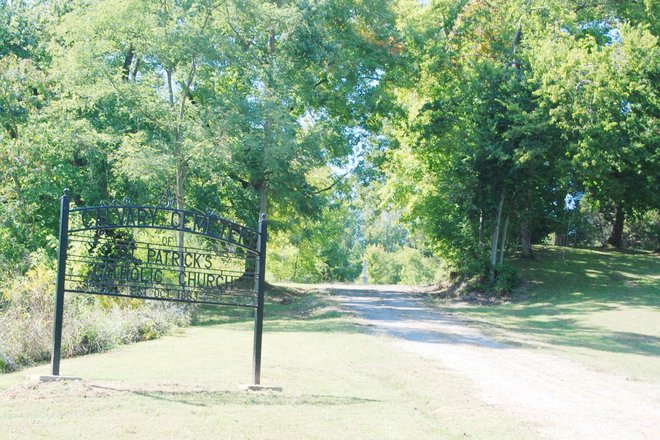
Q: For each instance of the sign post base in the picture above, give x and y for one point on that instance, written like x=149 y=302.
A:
x=248 y=387
x=50 y=378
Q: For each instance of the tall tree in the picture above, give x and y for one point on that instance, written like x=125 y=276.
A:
x=302 y=75
x=131 y=69
x=604 y=96
x=480 y=142
x=26 y=173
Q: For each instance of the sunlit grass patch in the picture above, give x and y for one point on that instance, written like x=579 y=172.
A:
x=338 y=383
x=601 y=306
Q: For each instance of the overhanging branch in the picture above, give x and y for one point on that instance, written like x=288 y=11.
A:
x=329 y=187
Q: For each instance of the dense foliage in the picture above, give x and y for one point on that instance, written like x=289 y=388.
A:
x=90 y=324
x=514 y=111
x=239 y=107
x=458 y=130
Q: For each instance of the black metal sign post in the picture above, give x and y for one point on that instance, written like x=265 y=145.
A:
x=259 y=312
x=160 y=253
x=61 y=274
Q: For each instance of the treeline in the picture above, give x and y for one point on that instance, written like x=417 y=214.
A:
x=522 y=119
x=481 y=126
x=241 y=107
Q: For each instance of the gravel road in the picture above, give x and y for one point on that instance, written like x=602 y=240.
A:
x=558 y=397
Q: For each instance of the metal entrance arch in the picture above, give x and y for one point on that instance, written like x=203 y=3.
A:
x=160 y=253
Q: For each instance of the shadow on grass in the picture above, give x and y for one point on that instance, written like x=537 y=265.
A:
x=207 y=315
x=570 y=333
x=286 y=311
x=205 y=398
x=317 y=325
x=565 y=285
x=580 y=275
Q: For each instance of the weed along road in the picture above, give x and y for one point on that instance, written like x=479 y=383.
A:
x=557 y=397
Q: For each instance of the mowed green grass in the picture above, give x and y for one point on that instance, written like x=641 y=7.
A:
x=339 y=383
x=601 y=307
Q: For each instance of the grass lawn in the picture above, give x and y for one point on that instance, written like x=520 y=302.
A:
x=601 y=307
x=338 y=383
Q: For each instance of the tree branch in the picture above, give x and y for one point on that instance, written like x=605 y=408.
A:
x=319 y=82
x=329 y=187
x=244 y=183
x=246 y=44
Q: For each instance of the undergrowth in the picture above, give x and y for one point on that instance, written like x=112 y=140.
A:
x=91 y=324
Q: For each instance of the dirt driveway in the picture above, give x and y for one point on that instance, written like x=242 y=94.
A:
x=558 y=397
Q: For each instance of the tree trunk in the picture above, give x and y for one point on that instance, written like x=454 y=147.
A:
x=504 y=233
x=616 y=237
x=495 y=238
x=135 y=69
x=560 y=239
x=526 y=227
x=262 y=188
x=526 y=239
x=481 y=230
x=180 y=205
x=295 y=266
x=268 y=139
x=263 y=199
x=128 y=60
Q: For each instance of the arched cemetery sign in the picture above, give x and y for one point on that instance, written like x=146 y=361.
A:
x=160 y=253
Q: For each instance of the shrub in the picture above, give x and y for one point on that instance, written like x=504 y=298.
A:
x=383 y=266
x=26 y=322
x=91 y=324
x=506 y=278
x=405 y=266
x=417 y=268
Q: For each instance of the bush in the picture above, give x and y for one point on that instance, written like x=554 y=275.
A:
x=405 y=266
x=474 y=267
x=417 y=268
x=383 y=266
x=506 y=278
x=26 y=322
x=91 y=324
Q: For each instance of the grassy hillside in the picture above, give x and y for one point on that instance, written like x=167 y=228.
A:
x=602 y=307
